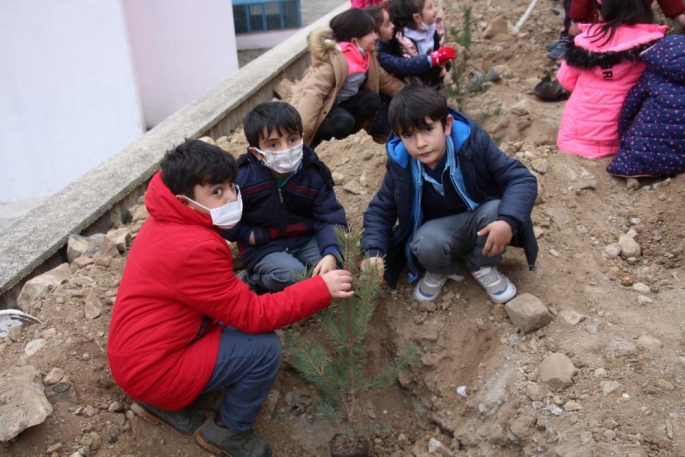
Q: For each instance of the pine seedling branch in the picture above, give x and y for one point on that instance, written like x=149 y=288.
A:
x=335 y=367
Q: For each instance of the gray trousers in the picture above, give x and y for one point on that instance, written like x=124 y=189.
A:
x=278 y=270
x=440 y=243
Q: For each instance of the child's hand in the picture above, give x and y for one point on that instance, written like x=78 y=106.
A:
x=443 y=55
x=499 y=235
x=339 y=283
x=374 y=265
x=325 y=265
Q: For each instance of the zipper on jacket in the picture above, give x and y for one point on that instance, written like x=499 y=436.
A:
x=281 y=218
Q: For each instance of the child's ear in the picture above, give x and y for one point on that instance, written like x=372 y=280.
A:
x=256 y=154
x=417 y=18
x=448 y=125
x=182 y=199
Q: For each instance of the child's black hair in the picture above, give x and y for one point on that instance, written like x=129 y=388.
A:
x=279 y=116
x=411 y=106
x=353 y=23
x=196 y=162
x=402 y=13
x=376 y=12
x=616 y=13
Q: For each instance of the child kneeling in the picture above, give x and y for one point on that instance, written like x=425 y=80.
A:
x=183 y=324
x=290 y=209
x=455 y=195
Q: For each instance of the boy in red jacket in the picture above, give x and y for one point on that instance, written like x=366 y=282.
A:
x=183 y=324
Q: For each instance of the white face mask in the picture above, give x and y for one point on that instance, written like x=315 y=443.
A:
x=226 y=216
x=285 y=161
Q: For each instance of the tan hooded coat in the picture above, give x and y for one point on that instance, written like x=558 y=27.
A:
x=315 y=94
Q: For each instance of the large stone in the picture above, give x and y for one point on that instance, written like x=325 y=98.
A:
x=82 y=246
x=557 y=371
x=629 y=247
x=649 y=342
x=23 y=402
x=527 y=313
x=120 y=238
x=37 y=286
x=612 y=251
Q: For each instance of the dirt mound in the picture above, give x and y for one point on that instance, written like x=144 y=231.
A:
x=478 y=386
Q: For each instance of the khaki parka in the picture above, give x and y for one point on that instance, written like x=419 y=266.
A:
x=315 y=94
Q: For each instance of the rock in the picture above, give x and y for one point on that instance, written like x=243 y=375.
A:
x=540 y=165
x=572 y=405
x=34 y=346
x=115 y=407
x=534 y=392
x=504 y=71
x=81 y=246
x=586 y=180
x=89 y=411
x=664 y=385
x=642 y=288
x=609 y=387
x=496 y=27
x=612 y=251
x=37 y=286
x=527 y=313
x=351 y=189
x=649 y=342
x=557 y=371
x=642 y=300
x=338 y=178
x=284 y=89
x=55 y=376
x=54 y=448
x=600 y=373
x=140 y=214
x=632 y=183
x=23 y=402
x=572 y=317
x=427 y=306
x=436 y=447
x=522 y=108
x=208 y=140
x=593 y=328
x=93 y=440
x=93 y=308
x=629 y=247
x=15 y=332
x=120 y=238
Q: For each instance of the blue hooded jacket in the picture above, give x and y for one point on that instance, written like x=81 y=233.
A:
x=479 y=171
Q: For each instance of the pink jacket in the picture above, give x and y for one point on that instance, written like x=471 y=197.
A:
x=600 y=76
x=364 y=3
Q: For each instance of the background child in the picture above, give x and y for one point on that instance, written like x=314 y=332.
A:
x=165 y=347
x=652 y=122
x=454 y=194
x=385 y=4
x=584 y=10
x=289 y=205
x=419 y=31
x=600 y=70
x=339 y=92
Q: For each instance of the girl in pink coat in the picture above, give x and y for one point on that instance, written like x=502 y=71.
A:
x=361 y=4
x=600 y=69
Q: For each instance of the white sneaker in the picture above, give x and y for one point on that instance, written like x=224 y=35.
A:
x=429 y=287
x=499 y=287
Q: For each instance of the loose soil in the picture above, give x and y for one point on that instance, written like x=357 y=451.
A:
x=465 y=341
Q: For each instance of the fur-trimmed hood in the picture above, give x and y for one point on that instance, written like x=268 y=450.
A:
x=589 y=52
x=322 y=45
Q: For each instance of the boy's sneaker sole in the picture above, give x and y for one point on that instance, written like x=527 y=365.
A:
x=211 y=448
x=154 y=419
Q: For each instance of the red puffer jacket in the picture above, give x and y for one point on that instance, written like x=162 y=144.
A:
x=177 y=285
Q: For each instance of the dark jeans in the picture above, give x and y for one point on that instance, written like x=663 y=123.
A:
x=440 y=243
x=348 y=116
x=246 y=366
x=567 y=20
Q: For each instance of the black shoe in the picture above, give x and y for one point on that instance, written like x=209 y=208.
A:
x=552 y=45
x=559 y=51
x=550 y=91
x=219 y=439
x=185 y=421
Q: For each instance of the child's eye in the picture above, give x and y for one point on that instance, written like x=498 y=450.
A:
x=217 y=191
x=428 y=129
x=406 y=136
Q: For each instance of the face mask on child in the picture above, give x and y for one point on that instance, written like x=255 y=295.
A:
x=226 y=216
x=285 y=161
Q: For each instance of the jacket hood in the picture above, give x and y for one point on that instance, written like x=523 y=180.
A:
x=163 y=205
x=628 y=42
x=461 y=129
x=667 y=58
x=322 y=45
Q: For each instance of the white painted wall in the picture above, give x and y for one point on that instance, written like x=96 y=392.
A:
x=181 y=50
x=68 y=96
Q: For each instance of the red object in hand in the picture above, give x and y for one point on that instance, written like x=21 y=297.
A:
x=442 y=55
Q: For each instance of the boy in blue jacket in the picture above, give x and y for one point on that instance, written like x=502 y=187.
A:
x=454 y=194
x=289 y=206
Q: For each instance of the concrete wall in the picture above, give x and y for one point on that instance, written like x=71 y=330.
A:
x=68 y=97
x=102 y=195
x=181 y=50
x=264 y=40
